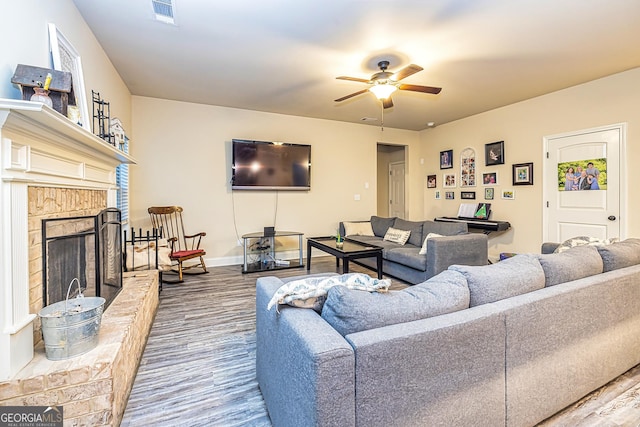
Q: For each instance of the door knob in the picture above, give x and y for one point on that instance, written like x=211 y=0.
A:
x=611 y=217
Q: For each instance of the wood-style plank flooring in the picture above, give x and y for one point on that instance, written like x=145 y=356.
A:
x=198 y=368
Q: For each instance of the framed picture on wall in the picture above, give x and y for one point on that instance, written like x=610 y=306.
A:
x=467 y=194
x=468 y=168
x=490 y=178
x=431 y=181
x=523 y=174
x=488 y=193
x=446 y=159
x=449 y=180
x=508 y=194
x=494 y=153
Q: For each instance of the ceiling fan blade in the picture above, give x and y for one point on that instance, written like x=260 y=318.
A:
x=352 y=95
x=407 y=71
x=418 y=88
x=353 y=79
x=387 y=103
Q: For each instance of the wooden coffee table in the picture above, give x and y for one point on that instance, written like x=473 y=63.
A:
x=350 y=250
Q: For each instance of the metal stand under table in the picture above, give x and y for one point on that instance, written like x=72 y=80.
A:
x=268 y=260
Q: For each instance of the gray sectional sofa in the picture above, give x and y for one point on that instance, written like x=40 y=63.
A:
x=539 y=333
x=457 y=246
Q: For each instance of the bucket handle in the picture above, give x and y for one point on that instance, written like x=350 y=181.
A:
x=75 y=279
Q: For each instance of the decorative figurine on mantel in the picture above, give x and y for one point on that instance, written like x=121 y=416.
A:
x=41 y=92
x=118 y=133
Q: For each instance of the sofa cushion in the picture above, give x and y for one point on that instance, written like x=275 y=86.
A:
x=380 y=225
x=358 y=228
x=423 y=249
x=620 y=254
x=311 y=292
x=444 y=228
x=573 y=264
x=397 y=236
x=408 y=255
x=415 y=238
x=514 y=276
x=350 y=311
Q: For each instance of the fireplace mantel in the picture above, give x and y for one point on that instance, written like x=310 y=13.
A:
x=38 y=147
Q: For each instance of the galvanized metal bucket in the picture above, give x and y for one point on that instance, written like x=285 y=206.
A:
x=70 y=328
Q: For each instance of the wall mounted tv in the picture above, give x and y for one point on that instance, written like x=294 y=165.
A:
x=262 y=165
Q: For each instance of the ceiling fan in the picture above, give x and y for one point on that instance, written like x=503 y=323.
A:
x=384 y=83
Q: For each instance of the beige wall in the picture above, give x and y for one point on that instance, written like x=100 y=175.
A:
x=24 y=31
x=611 y=100
x=183 y=154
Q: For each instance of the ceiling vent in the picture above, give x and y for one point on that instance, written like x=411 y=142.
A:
x=163 y=10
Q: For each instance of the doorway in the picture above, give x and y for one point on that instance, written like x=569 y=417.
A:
x=574 y=204
x=391 y=165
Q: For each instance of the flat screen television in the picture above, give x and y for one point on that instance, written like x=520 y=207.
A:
x=262 y=165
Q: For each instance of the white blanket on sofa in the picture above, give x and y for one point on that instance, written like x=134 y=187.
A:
x=311 y=292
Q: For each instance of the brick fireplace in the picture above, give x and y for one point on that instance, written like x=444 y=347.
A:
x=46 y=203
x=51 y=168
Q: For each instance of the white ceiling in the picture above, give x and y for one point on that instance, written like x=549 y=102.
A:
x=282 y=56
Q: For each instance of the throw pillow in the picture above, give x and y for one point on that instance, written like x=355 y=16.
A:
x=423 y=250
x=358 y=228
x=349 y=311
x=574 y=264
x=311 y=292
x=513 y=276
x=381 y=225
x=620 y=255
x=583 y=240
x=397 y=236
x=415 y=238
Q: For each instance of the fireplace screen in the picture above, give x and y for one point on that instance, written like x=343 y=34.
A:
x=88 y=248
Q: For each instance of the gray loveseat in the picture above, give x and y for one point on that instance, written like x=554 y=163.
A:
x=458 y=246
x=541 y=331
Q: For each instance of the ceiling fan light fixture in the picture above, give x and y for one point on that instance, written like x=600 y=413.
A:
x=383 y=91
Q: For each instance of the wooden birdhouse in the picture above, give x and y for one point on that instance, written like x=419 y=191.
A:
x=60 y=88
x=118 y=133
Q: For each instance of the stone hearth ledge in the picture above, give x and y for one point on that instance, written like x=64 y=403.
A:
x=94 y=387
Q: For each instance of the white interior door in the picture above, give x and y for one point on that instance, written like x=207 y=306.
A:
x=572 y=208
x=396 y=189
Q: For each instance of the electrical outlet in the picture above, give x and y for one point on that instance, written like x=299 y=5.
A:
x=239 y=242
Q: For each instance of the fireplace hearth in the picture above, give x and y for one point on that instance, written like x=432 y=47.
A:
x=88 y=248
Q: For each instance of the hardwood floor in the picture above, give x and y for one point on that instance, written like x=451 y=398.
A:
x=198 y=368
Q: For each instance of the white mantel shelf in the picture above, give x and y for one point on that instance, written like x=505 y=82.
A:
x=45 y=122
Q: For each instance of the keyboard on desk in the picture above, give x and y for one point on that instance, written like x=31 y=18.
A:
x=480 y=224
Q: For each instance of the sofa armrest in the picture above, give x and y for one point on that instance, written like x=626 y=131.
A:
x=549 y=247
x=463 y=249
x=305 y=369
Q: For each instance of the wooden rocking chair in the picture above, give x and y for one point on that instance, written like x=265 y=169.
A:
x=168 y=219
